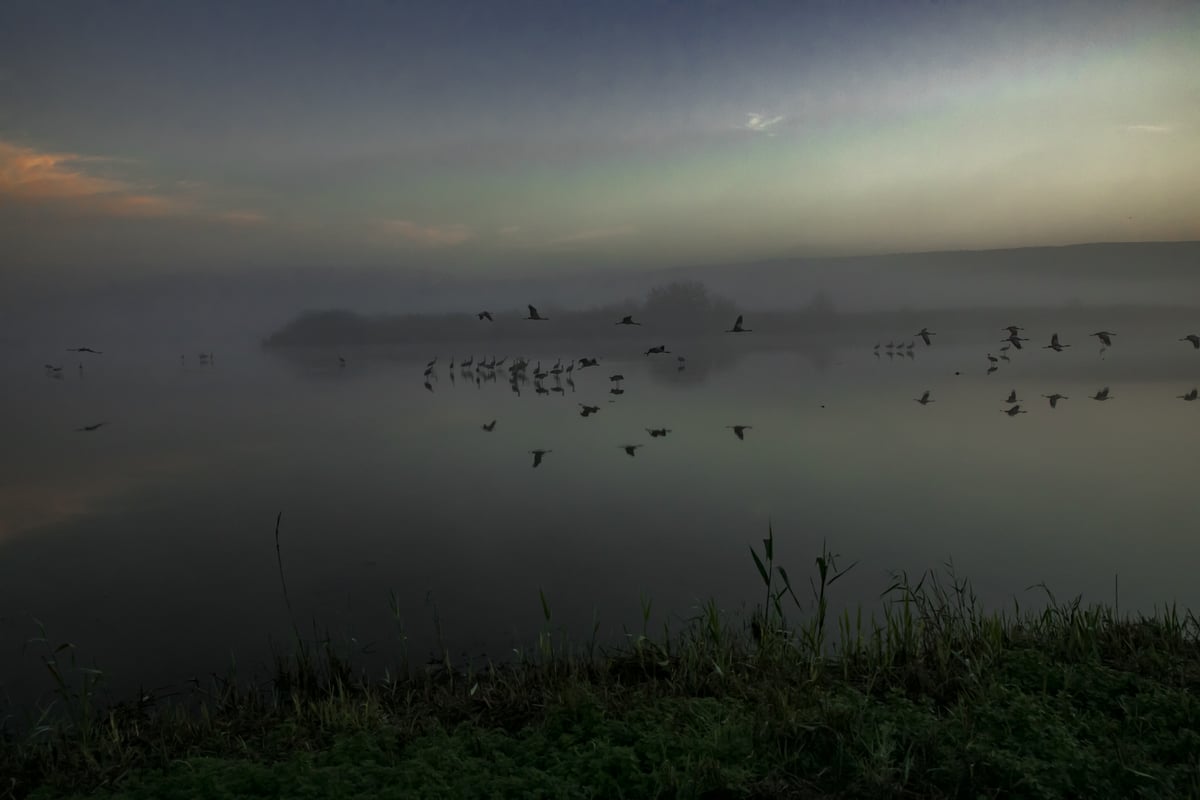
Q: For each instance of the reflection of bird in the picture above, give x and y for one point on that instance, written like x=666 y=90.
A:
x=1054 y=398
x=737 y=326
x=1104 y=336
x=924 y=398
x=630 y=449
x=627 y=320
x=657 y=432
x=1054 y=345
x=84 y=350
x=1012 y=397
x=1102 y=394
x=538 y=455
x=489 y=427
x=1193 y=338
x=739 y=430
x=1192 y=395
x=925 y=333
x=485 y=315
x=92 y=427
x=662 y=348
x=587 y=410
x=1012 y=412
x=534 y=315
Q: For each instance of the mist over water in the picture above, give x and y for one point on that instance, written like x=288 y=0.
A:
x=149 y=544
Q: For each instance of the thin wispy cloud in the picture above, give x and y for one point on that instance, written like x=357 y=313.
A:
x=69 y=181
x=594 y=235
x=427 y=235
x=1149 y=128
x=761 y=123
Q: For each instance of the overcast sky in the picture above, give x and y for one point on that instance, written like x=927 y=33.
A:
x=496 y=137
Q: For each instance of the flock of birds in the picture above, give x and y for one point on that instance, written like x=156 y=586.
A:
x=520 y=372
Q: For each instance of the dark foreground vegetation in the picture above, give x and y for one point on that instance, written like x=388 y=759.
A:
x=933 y=698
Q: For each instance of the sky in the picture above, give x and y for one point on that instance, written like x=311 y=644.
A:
x=522 y=138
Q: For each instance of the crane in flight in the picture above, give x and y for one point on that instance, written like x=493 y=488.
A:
x=737 y=326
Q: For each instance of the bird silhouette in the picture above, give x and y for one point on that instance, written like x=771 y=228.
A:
x=538 y=455
x=485 y=315
x=924 y=399
x=429 y=386
x=1012 y=412
x=657 y=432
x=97 y=426
x=1190 y=396
x=587 y=362
x=925 y=333
x=616 y=391
x=489 y=427
x=84 y=350
x=1012 y=397
x=1012 y=329
x=992 y=358
x=627 y=320
x=534 y=315
x=1194 y=339
x=992 y=369
x=1102 y=395
x=585 y=411
x=630 y=449
x=1104 y=336
x=616 y=377
x=737 y=326
x=739 y=430
x=662 y=348
x=342 y=363
x=1015 y=341
x=1054 y=345
x=1054 y=398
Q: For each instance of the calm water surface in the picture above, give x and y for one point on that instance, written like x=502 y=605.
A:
x=148 y=543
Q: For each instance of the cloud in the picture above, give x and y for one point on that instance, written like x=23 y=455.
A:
x=428 y=235
x=594 y=234
x=761 y=123
x=1149 y=128
x=69 y=180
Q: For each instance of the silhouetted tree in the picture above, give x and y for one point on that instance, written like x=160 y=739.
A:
x=687 y=304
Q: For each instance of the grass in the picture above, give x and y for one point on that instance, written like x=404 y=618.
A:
x=930 y=697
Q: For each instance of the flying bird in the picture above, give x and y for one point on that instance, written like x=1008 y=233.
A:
x=1012 y=397
x=1015 y=341
x=616 y=377
x=1193 y=338
x=489 y=427
x=534 y=315
x=587 y=410
x=737 y=326
x=616 y=391
x=485 y=315
x=1012 y=412
x=630 y=449
x=925 y=333
x=538 y=455
x=1012 y=329
x=97 y=426
x=627 y=320
x=992 y=369
x=1054 y=398
x=587 y=362
x=739 y=430
x=1190 y=396
x=1054 y=345
x=1102 y=395
x=662 y=348
x=1104 y=336
x=924 y=398
x=992 y=358
x=657 y=432
x=84 y=350
x=429 y=386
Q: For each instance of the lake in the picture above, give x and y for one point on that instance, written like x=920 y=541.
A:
x=149 y=542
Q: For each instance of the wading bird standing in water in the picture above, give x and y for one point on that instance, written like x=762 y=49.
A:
x=924 y=399
x=538 y=455
x=739 y=430
x=1054 y=398
x=737 y=326
x=534 y=315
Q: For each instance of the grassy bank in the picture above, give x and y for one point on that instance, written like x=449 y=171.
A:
x=932 y=697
